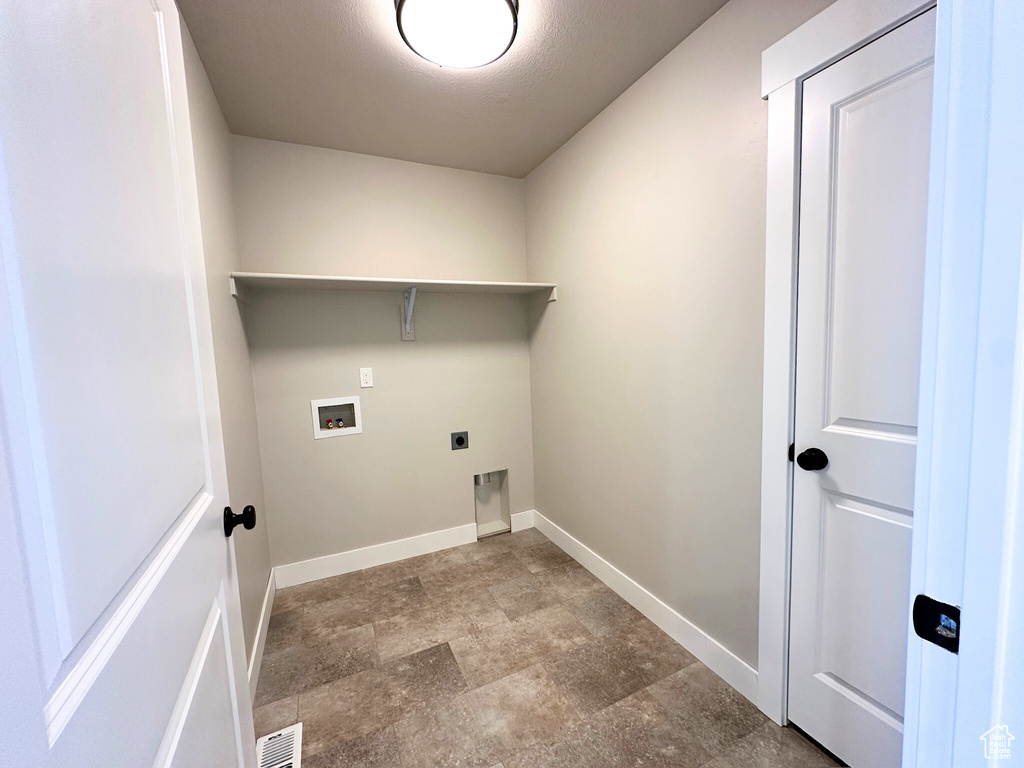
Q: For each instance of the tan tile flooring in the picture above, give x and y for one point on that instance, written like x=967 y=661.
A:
x=504 y=653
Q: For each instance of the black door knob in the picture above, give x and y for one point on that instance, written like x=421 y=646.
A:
x=812 y=459
x=247 y=519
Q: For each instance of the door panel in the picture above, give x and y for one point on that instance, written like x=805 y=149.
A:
x=192 y=738
x=106 y=318
x=876 y=322
x=109 y=397
x=864 y=179
x=128 y=685
x=864 y=607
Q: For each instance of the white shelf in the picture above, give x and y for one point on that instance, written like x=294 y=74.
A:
x=241 y=281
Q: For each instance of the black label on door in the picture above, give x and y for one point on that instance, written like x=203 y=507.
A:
x=937 y=623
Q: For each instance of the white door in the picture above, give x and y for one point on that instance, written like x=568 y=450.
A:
x=127 y=649
x=863 y=203
x=962 y=710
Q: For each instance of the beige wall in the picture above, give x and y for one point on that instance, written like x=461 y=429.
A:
x=646 y=377
x=469 y=368
x=211 y=141
x=303 y=209
x=321 y=211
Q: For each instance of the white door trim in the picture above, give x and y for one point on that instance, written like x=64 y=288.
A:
x=969 y=543
x=837 y=31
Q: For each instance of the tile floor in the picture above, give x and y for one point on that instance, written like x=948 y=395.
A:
x=505 y=653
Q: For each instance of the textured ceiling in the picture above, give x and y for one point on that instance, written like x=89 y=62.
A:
x=335 y=73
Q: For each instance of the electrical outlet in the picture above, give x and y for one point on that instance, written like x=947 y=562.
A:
x=365 y=377
x=460 y=441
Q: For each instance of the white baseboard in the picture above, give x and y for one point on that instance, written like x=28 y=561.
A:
x=260 y=642
x=355 y=560
x=523 y=520
x=709 y=651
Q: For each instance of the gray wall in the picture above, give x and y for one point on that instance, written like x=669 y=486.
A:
x=302 y=209
x=469 y=368
x=211 y=141
x=320 y=211
x=651 y=220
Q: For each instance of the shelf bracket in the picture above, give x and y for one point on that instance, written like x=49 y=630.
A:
x=408 y=302
x=236 y=289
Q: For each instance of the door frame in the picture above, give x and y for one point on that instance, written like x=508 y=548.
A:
x=836 y=32
x=970 y=464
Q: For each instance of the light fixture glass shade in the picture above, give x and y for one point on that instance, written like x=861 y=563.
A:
x=458 y=33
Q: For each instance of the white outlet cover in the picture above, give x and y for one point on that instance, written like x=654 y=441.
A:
x=365 y=377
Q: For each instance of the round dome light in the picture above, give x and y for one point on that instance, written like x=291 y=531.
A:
x=458 y=33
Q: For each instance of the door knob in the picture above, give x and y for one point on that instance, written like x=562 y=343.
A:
x=812 y=459
x=247 y=519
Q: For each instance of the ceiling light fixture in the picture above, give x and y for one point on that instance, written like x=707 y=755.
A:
x=461 y=34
